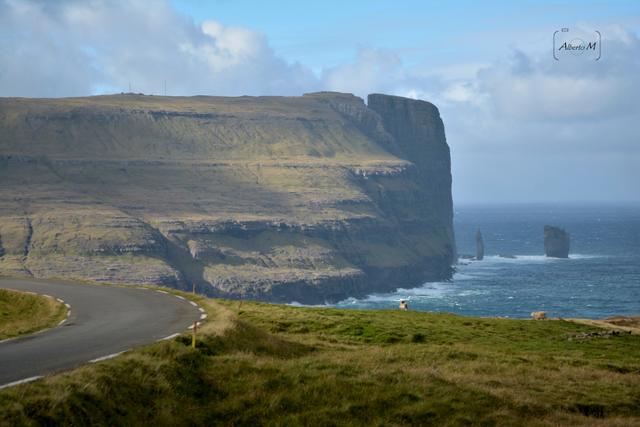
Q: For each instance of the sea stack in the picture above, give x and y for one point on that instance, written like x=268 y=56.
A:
x=479 y=246
x=556 y=242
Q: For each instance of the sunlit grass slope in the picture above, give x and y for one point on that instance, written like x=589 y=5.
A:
x=261 y=364
x=23 y=313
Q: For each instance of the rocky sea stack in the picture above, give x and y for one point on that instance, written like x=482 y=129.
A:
x=310 y=199
x=479 y=246
x=556 y=242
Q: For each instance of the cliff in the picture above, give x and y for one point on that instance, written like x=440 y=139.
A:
x=310 y=198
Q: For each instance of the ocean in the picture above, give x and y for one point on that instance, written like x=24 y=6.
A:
x=600 y=279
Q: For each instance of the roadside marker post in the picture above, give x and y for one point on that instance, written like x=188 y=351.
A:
x=193 y=337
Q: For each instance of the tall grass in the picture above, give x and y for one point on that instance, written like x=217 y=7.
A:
x=23 y=313
x=261 y=364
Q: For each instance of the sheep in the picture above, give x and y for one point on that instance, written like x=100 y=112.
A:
x=539 y=315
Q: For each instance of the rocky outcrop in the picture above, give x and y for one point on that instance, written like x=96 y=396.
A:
x=556 y=242
x=309 y=199
x=479 y=246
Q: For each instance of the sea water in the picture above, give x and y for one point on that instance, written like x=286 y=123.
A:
x=601 y=278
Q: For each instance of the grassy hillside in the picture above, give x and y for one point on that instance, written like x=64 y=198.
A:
x=280 y=198
x=23 y=313
x=200 y=129
x=261 y=364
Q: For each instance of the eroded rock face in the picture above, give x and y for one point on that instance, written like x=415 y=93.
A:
x=310 y=199
x=556 y=242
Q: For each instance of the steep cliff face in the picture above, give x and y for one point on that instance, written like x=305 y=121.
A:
x=310 y=198
x=418 y=133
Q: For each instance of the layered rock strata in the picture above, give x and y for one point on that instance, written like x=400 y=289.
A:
x=308 y=199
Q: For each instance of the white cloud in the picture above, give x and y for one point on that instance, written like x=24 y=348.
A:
x=540 y=88
x=460 y=92
x=563 y=130
x=71 y=48
x=372 y=70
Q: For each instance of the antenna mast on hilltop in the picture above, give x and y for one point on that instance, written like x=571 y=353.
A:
x=129 y=87
x=165 y=88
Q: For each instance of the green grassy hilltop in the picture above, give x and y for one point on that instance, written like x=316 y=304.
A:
x=23 y=313
x=308 y=198
x=262 y=364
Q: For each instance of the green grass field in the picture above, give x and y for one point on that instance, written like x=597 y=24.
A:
x=262 y=364
x=22 y=313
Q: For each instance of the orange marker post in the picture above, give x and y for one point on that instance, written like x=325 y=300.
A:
x=193 y=337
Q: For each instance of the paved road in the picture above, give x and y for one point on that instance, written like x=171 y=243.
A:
x=104 y=320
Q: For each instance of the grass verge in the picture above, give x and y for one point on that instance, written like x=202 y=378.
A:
x=263 y=364
x=24 y=313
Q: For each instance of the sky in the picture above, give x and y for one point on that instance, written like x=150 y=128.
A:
x=522 y=126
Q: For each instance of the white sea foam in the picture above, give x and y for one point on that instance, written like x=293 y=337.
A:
x=435 y=290
x=529 y=259
x=584 y=256
x=474 y=270
x=432 y=290
x=471 y=292
x=462 y=276
x=299 y=304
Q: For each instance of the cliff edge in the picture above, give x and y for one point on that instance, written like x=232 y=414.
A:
x=310 y=199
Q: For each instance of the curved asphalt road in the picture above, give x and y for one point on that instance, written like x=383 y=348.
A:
x=104 y=320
